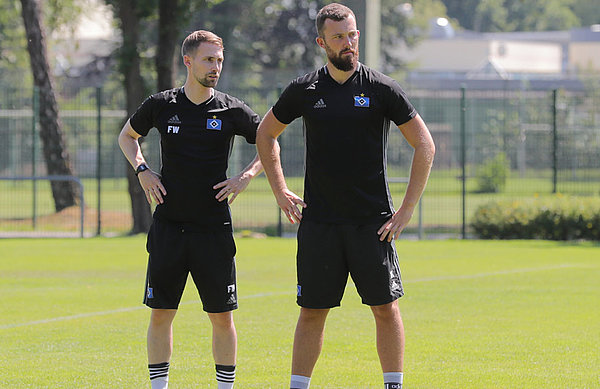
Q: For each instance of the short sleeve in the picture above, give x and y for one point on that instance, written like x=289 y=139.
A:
x=399 y=108
x=287 y=108
x=142 y=120
x=247 y=124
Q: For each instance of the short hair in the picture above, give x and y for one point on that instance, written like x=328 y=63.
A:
x=333 y=11
x=193 y=41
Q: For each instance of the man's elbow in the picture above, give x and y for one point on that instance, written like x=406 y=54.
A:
x=264 y=137
x=431 y=145
x=121 y=139
x=427 y=149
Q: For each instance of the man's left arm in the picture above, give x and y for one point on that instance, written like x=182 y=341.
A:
x=418 y=136
x=235 y=185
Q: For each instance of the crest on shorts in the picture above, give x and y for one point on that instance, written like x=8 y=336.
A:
x=150 y=293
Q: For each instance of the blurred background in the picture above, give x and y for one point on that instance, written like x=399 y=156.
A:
x=509 y=89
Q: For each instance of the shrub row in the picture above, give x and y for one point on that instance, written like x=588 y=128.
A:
x=556 y=218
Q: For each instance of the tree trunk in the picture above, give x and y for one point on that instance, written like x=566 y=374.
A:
x=135 y=92
x=65 y=193
x=168 y=34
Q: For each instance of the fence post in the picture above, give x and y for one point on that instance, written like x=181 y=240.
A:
x=99 y=153
x=35 y=119
x=554 y=142
x=279 y=221
x=463 y=158
x=420 y=233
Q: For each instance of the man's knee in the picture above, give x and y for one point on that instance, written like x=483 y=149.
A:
x=162 y=317
x=389 y=311
x=310 y=316
x=221 y=320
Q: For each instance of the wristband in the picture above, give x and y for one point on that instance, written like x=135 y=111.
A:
x=142 y=167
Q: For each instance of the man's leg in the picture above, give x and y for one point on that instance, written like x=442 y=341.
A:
x=224 y=347
x=308 y=341
x=390 y=342
x=160 y=346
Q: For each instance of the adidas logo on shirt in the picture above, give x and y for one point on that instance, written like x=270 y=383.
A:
x=320 y=104
x=174 y=120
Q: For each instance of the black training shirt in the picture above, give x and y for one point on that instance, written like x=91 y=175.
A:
x=346 y=129
x=196 y=142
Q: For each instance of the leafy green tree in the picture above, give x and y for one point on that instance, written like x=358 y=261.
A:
x=63 y=14
x=173 y=17
x=463 y=11
x=587 y=11
x=543 y=15
x=274 y=41
x=517 y=15
x=490 y=15
x=13 y=52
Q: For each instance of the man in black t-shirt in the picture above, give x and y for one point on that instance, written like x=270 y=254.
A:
x=191 y=232
x=348 y=223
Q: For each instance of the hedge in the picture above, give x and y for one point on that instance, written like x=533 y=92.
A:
x=556 y=218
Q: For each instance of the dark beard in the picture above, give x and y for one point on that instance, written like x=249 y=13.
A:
x=341 y=63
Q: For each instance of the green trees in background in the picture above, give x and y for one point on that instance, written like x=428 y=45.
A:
x=13 y=45
x=518 y=15
x=262 y=36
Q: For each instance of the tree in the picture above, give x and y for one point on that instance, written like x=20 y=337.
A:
x=129 y=14
x=587 y=11
x=517 y=15
x=274 y=41
x=168 y=34
x=13 y=55
x=546 y=15
x=173 y=17
x=65 y=193
x=490 y=15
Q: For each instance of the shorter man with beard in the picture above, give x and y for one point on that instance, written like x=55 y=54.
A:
x=191 y=232
x=348 y=223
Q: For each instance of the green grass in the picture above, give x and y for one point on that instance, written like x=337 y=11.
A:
x=478 y=314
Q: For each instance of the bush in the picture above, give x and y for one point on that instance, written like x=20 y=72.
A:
x=492 y=175
x=557 y=218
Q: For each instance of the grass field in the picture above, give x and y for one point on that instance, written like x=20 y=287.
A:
x=478 y=314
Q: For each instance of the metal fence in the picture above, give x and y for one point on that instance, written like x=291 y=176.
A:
x=550 y=140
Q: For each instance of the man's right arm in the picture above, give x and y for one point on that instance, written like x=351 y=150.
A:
x=149 y=180
x=268 y=150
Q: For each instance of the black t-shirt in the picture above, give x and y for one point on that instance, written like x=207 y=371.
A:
x=196 y=142
x=346 y=129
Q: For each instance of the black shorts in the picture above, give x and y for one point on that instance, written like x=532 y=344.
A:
x=327 y=253
x=174 y=251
